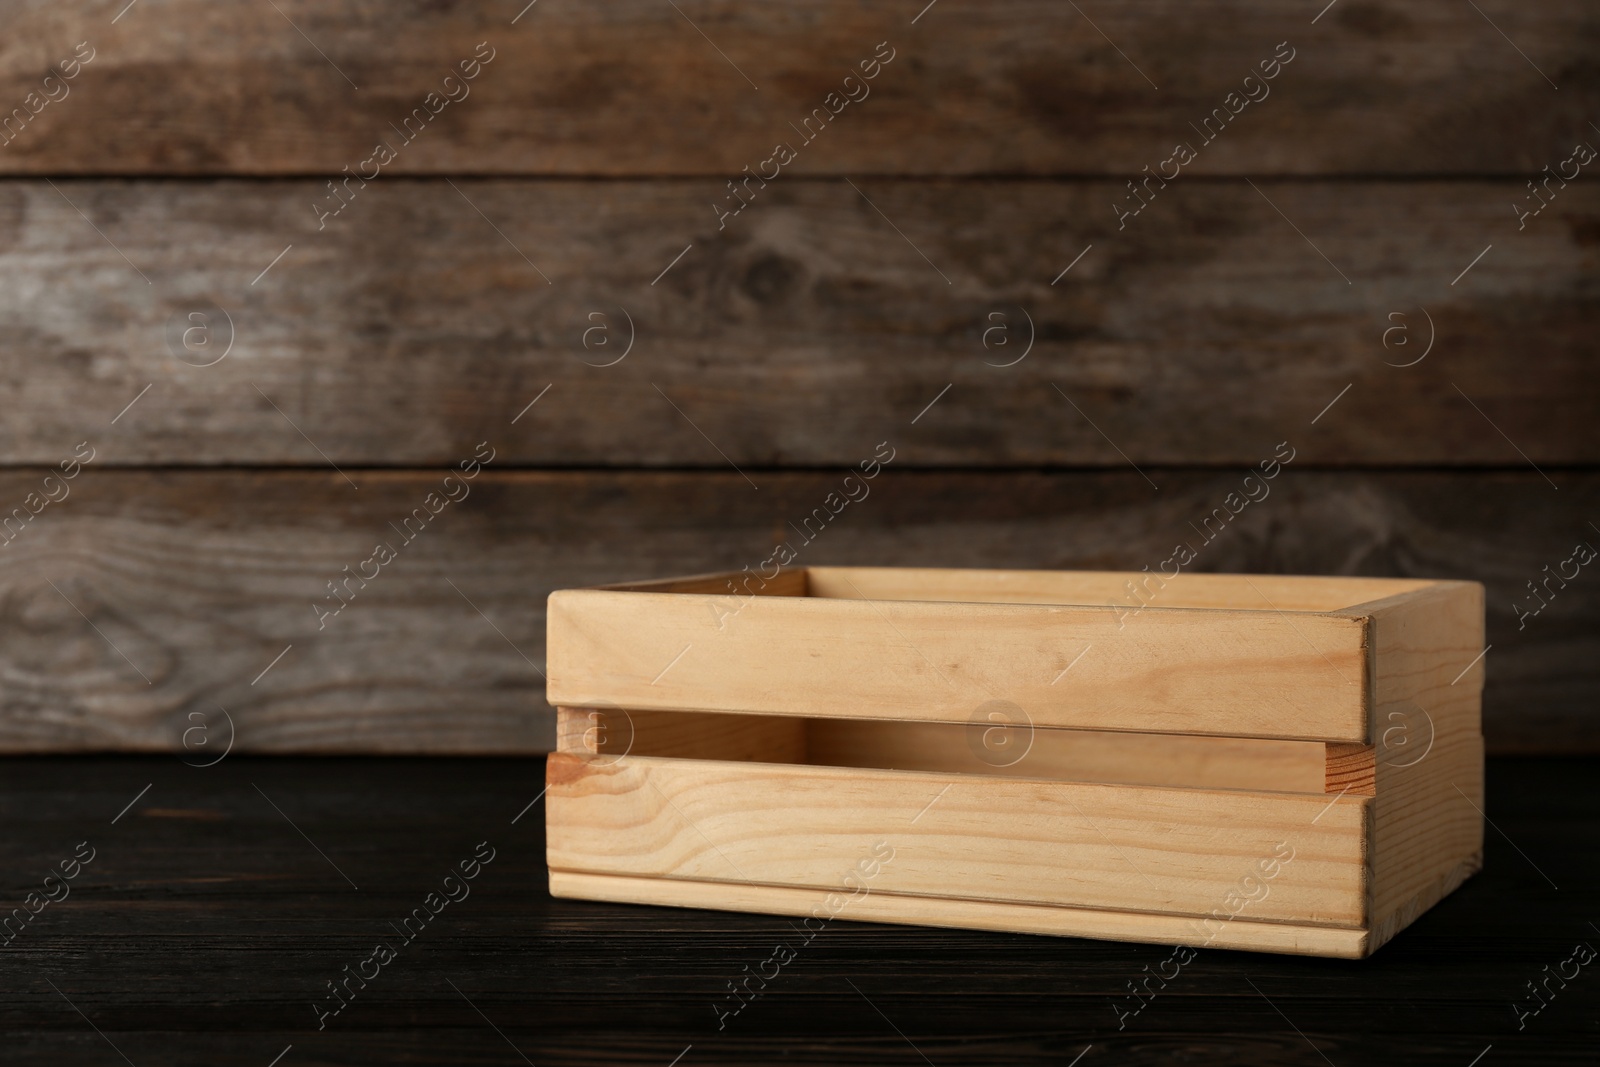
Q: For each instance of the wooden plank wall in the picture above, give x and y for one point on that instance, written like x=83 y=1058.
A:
x=273 y=362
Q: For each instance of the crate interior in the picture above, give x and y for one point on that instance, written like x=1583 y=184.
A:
x=1121 y=589
x=1098 y=588
x=980 y=748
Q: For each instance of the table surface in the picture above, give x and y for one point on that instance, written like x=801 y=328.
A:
x=221 y=901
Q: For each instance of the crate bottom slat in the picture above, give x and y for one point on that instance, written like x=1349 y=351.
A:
x=1100 y=924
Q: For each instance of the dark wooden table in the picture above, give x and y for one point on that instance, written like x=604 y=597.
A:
x=221 y=902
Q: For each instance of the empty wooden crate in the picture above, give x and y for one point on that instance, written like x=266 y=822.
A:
x=1289 y=764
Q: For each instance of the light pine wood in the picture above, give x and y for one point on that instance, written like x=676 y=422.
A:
x=1186 y=590
x=1176 y=851
x=1178 y=760
x=1258 y=673
x=1427 y=833
x=1380 y=826
x=615 y=734
x=883 y=907
x=1426 y=652
x=1427 y=812
x=1351 y=769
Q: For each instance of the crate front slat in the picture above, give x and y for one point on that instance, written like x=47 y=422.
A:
x=1175 y=851
x=1246 y=673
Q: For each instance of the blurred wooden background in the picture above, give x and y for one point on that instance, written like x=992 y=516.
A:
x=179 y=172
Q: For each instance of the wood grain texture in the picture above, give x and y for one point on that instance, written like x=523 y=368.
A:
x=826 y=656
x=1427 y=647
x=977 y=585
x=1190 y=761
x=1128 y=848
x=616 y=734
x=1005 y=918
x=1350 y=769
x=201 y=578
x=1229 y=672
x=1011 y=750
x=183 y=86
x=1080 y=755
x=1427 y=816
x=1203 y=334
x=201 y=941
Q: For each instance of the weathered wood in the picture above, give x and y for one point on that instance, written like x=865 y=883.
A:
x=203 y=577
x=207 y=927
x=1204 y=333
x=1027 y=87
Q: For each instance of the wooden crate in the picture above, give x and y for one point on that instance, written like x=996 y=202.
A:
x=1287 y=764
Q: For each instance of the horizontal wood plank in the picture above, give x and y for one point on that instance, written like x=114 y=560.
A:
x=1101 y=923
x=1025 y=86
x=1206 y=332
x=1133 y=848
x=1240 y=673
x=201 y=579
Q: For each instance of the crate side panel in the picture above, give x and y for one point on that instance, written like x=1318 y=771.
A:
x=1427 y=816
x=1427 y=648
